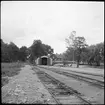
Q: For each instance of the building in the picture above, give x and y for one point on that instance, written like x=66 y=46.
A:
x=59 y=57
x=44 y=60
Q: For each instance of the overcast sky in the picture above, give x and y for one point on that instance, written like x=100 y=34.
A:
x=51 y=22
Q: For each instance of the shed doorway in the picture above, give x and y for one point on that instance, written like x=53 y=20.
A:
x=44 y=61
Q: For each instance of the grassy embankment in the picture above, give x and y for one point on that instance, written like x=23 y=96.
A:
x=9 y=70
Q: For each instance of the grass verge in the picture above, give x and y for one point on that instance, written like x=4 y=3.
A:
x=9 y=70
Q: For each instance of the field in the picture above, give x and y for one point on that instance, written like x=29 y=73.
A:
x=80 y=65
x=8 y=70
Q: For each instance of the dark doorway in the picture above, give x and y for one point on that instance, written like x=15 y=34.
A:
x=44 y=61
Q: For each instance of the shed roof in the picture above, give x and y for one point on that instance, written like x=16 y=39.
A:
x=44 y=57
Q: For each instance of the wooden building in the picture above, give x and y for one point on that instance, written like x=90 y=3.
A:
x=44 y=60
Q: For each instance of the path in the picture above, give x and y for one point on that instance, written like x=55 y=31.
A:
x=26 y=88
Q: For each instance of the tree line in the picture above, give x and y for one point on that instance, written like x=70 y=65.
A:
x=78 y=50
x=12 y=53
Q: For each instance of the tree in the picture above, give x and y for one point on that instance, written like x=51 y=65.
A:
x=84 y=56
x=23 y=53
x=78 y=44
x=47 y=50
x=70 y=44
x=10 y=52
x=96 y=54
x=69 y=53
x=4 y=52
x=38 y=49
x=13 y=51
x=100 y=52
x=53 y=56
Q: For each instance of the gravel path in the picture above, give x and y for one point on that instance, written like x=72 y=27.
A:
x=26 y=88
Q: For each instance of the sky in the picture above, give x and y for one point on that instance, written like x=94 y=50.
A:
x=22 y=22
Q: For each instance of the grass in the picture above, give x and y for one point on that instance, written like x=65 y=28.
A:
x=94 y=66
x=9 y=70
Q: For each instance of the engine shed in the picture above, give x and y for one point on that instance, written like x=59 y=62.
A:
x=44 y=60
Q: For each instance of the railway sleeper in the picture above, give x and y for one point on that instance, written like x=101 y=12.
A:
x=96 y=82
x=61 y=89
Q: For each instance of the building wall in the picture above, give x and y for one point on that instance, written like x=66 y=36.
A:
x=39 y=60
x=51 y=61
x=48 y=61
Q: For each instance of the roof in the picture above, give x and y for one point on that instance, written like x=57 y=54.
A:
x=44 y=57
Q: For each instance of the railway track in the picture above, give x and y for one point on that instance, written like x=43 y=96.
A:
x=94 y=82
x=61 y=93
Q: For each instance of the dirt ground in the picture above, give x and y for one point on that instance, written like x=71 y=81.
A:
x=84 y=69
x=26 y=88
x=91 y=93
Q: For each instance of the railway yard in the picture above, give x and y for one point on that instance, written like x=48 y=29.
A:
x=72 y=87
x=52 y=53
x=54 y=85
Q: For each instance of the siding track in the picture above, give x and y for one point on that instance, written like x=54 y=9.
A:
x=94 y=82
x=61 y=93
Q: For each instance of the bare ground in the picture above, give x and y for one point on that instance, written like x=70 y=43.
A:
x=26 y=88
x=90 y=93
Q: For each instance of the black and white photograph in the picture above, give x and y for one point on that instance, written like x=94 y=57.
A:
x=52 y=52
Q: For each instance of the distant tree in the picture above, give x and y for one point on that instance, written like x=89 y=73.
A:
x=9 y=52
x=78 y=44
x=4 y=52
x=69 y=54
x=23 y=53
x=30 y=56
x=53 y=56
x=38 y=49
x=84 y=56
x=91 y=50
x=100 y=51
x=47 y=49
x=70 y=40
x=95 y=54
x=13 y=51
